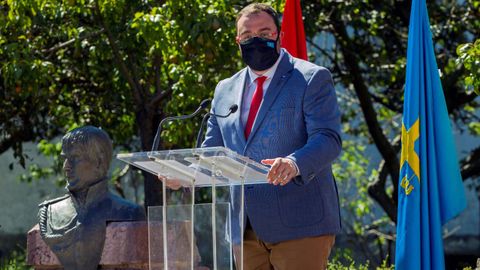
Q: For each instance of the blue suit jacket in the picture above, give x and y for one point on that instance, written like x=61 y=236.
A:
x=298 y=118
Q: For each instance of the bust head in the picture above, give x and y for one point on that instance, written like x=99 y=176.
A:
x=87 y=152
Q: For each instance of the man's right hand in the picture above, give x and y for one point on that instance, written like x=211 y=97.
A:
x=173 y=183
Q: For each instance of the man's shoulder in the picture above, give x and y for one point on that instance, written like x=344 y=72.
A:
x=235 y=78
x=63 y=205
x=59 y=213
x=307 y=66
x=228 y=85
x=308 y=69
x=54 y=201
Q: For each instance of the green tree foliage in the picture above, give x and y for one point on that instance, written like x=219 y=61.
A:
x=16 y=260
x=346 y=262
x=118 y=65
x=469 y=57
x=364 y=44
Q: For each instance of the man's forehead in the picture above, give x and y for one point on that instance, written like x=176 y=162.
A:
x=71 y=150
x=255 y=22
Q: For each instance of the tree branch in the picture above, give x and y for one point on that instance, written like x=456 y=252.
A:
x=470 y=166
x=117 y=180
x=158 y=98
x=142 y=92
x=118 y=58
x=156 y=66
x=9 y=141
x=325 y=53
x=71 y=41
x=387 y=104
x=377 y=191
x=351 y=62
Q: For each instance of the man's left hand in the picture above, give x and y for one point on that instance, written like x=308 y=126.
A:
x=282 y=170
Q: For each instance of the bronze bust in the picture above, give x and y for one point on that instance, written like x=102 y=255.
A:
x=74 y=225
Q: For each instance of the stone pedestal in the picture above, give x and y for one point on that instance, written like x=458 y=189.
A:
x=126 y=247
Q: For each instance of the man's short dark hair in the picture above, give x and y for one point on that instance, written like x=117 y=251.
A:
x=255 y=8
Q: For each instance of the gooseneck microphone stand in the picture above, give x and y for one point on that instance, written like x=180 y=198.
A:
x=201 y=107
x=231 y=110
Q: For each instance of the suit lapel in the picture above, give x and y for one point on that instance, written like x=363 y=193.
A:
x=278 y=81
x=238 y=89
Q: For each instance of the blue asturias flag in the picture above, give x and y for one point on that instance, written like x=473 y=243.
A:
x=431 y=191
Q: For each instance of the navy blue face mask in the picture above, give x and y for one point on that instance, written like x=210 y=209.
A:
x=259 y=53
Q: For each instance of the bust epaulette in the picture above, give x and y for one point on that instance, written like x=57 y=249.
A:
x=48 y=202
x=42 y=213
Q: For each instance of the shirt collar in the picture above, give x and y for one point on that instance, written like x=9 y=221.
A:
x=270 y=72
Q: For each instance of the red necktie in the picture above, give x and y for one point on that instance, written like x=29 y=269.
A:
x=256 y=101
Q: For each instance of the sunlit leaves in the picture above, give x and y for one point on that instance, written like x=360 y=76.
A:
x=58 y=70
x=187 y=36
x=469 y=57
x=474 y=128
x=352 y=170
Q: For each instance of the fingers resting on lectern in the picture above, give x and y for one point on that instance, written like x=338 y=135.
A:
x=172 y=183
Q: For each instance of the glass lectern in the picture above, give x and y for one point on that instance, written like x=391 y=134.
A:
x=184 y=234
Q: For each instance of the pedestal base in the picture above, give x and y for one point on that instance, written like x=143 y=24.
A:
x=126 y=247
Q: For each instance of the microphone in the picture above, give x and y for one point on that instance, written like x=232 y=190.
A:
x=201 y=107
x=231 y=110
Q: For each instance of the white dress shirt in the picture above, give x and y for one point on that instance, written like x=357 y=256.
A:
x=251 y=85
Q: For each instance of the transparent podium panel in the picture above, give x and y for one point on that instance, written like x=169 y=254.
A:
x=192 y=241
x=208 y=166
x=203 y=221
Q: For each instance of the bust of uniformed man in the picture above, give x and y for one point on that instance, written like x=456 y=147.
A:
x=74 y=225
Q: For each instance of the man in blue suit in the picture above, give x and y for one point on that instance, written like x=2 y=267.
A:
x=288 y=118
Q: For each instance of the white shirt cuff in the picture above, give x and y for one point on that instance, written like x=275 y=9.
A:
x=296 y=166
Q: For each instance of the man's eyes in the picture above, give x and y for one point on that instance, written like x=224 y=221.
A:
x=261 y=35
x=71 y=159
x=265 y=35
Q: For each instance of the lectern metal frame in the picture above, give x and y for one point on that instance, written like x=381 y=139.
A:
x=200 y=167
